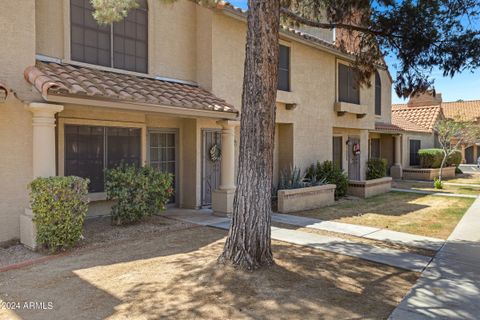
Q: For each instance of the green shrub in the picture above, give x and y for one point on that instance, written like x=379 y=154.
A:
x=139 y=192
x=438 y=184
x=328 y=172
x=454 y=159
x=432 y=158
x=291 y=179
x=376 y=168
x=59 y=206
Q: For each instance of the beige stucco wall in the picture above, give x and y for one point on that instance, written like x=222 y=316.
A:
x=17 y=51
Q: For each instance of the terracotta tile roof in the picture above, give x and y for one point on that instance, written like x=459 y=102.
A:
x=3 y=92
x=421 y=119
x=68 y=80
x=383 y=126
x=462 y=110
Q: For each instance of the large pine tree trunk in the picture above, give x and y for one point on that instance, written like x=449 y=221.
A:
x=248 y=245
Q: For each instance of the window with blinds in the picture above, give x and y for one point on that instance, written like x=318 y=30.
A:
x=89 y=150
x=375 y=148
x=122 y=45
x=348 y=88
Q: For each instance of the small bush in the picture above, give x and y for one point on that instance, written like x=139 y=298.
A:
x=438 y=184
x=59 y=206
x=328 y=172
x=376 y=168
x=139 y=192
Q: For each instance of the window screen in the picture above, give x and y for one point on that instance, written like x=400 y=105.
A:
x=91 y=42
x=91 y=149
x=284 y=69
x=375 y=148
x=414 y=157
x=348 y=89
x=378 y=94
x=337 y=151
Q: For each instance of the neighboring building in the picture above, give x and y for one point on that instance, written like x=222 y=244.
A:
x=163 y=88
x=418 y=117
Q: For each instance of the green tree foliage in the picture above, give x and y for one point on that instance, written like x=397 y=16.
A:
x=59 y=206
x=138 y=192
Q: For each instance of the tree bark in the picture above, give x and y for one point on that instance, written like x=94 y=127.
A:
x=248 y=244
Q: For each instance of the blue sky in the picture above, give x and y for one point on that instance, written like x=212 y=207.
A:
x=464 y=86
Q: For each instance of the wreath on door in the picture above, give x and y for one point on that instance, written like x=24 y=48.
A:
x=356 y=149
x=215 y=153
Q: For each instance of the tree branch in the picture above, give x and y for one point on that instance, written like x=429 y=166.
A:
x=290 y=14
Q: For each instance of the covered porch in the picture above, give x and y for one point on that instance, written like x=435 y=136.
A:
x=385 y=142
x=91 y=120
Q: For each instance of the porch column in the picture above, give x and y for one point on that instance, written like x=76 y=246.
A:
x=43 y=122
x=463 y=154
x=396 y=169
x=222 y=198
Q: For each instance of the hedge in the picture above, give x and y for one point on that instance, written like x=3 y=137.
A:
x=328 y=172
x=432 y=158
x=59 y=206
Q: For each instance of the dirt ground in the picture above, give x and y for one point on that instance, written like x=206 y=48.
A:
x=172 y=273
x=425 y=215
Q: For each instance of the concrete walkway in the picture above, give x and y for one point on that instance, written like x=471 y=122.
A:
x=407 y=239
x=442 y=194
x=474 y=186
x=449 y=288
x=391 y=257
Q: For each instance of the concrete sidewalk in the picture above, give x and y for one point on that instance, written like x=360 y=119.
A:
x=441 y=194
x=449 y=288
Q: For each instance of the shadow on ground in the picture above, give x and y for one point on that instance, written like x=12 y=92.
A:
x=175 y=275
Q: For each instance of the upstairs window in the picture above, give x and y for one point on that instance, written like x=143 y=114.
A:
x=378 y=94
x=348 y=88
x=122 y=45
x=284 y=69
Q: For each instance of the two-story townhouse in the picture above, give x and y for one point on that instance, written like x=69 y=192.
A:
x=164 y=88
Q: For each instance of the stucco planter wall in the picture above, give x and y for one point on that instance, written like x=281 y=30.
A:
x=427 y=173
x=369 y=188
x=293 y=200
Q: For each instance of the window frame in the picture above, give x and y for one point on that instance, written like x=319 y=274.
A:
x=68 y=21
x=416 y=156
x=287 y=70
x=378 y=94
x=377 y=140
x=64 y=121
x=105 y=148
x=341 y=149
x=353 y=93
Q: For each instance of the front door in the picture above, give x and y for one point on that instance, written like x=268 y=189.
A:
x=163 y=154
x=211 y=151
x=353 y=158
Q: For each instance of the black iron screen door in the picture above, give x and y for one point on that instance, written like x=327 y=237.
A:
x=163 y=154
x=211 y=158
x=353 y=158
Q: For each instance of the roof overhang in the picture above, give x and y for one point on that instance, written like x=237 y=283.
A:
x=142 y=107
